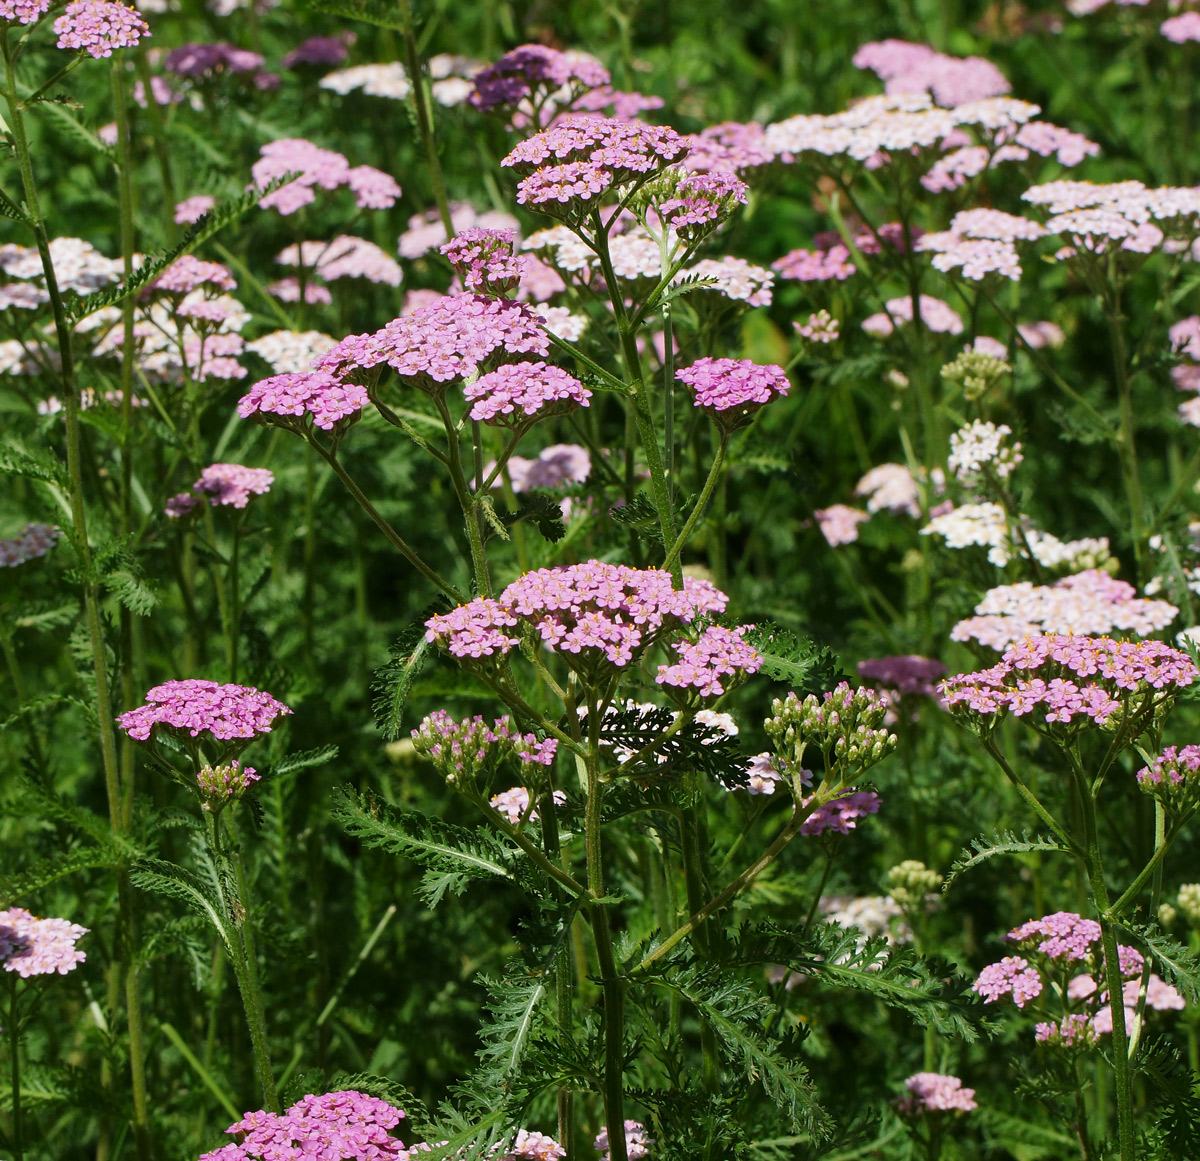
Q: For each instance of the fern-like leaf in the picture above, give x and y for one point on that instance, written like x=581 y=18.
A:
x=805 y=666
x=174 y=882
x=394 y=681
x=1171 y=957
x=1001 y=842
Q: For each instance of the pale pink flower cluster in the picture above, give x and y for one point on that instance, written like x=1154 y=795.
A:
x=291 y=351
x=937 y=315
x=892 y=487
x=524 y=390
x=934 y=1092
x=463 y=750
x=590 y=612
x=288 y=290
x=1182 y=28
x=987 y=525
x=23 y=11
x=99 y=26
x=292 y=396
x=738 y=387
x=982 y=444
x=514 y=804
x=1172 y=777
x=981 y=242
x=195 y=706
x=1091 y=602
x=704 y=665
x=78 y=266
x=841 y=814
x=346 y=256
x=372 y=188
x=446 y=340
x=839 y=523
x=427 y=232
x=35 y=540
x=637 y=1142
x=1061 y=678
x=700 y=200
x=30 y=946
x=559 y=464
x=232 y=485
x=581 y=156
x=832 y=263
x=348 y=1125
x=909 y=68
x=1042 y=334
x=762 y=774
x=1010 y=977
x=909 y=674
x=729 y=146
x=1185 y=344
x=189 y=273
x=734 y=278
x=820 y=327
x=485 y=261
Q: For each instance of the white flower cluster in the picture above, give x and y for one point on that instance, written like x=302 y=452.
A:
x=290 y=352
x=981 y=443
x=985 y=525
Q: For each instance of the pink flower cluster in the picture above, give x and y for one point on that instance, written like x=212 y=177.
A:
x=913 y=68
x=35 y=540
x=839 y=523
x=372 y=188
x=822 y=265
x=232 y=485
x=513 y=804
x=940 y=317
x=719 y=653
x=346 y=256
x=290 y=397
x=523 y=390
x=1064 y=677
x=820 y=327
x=841 y=814
x=637 y=1142
x=31 y=946
x=933 y=1092
x=1091 y=602
x=734 y=278
x=590 y=612
x=1172 y=777
x=189 y=273
x=702 y=200
x=485 y=261
x=195 y=706
x=99 y=26
x=731 y=390
x=427 y=231
x=1182 y=28
x=909 y=674
x=980 y=242
x=24 y=11
x=1012 y=976
x=534 y=68
x=349 y=1125
x=581 y=156
x=215 y=58
x=729 y=146
x=462 y=750
x=559 y=464
x=445 y=340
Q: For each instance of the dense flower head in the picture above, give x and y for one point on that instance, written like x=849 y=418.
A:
x=426 y=231
x=514 y=805
x=820 y=327
x=188 y=273
x=485 y=261
x=833 y=263
x=1181 y=28
x=841 y=813
x=388 y=80
x=559 y=464
x=637 y=1142
x=730 y=146
x=348 y=1125
x=1091 y=602
x=734 y=278
x=291 y=396
x=317 y=167
x=988 y=525
x=845 y=724
x=1064 y=935
x=937 y=315
x=839 y=523
x=762 y=774
x=446 y=340
x=345 y=256
x=194 y=706
x=710 y=665
x=232 y=485
x=1075 y=1030
x=24 y=11
x=461 y=751
x=909 y=674
x=1014 y=977
x=35 y=540
x=891 y=487
x=590 y=613
x=1061 y=678
x=514 y=391
x=30 y=946
x=1173 y=777
x=318 y=50
x=731 y=390
x=221 y=784
x=909 y=68
x=290 y=351
x=981 y=446
x=533 y=68
x=99 y=26
x=934 y=1092
x=700 y=201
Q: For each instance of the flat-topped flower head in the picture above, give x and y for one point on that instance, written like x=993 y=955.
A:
x=1059 y=678
x=638 y=1142
x=318 y=168
x=514 y=392
x=188 y=273
x=1014 y=977
x=348 y=1125
x=594 y=615
x=730 y=391
x=713 y=664
x=1064 y=935
x=694 y=204
x=450 y=338
x=232 y=485
x=514 y=805
x=908 y=674
x=981 y=448
x=462 y=751
x=1174 y=778
x=97 y=27
x=35 y=540
x=193 y=707
x=30 y=946
x=23 y=11
x=915 y=68
x=291 y=399
x=934 y=1092
x=485 y=260
x=531 y=71
x=841 y=813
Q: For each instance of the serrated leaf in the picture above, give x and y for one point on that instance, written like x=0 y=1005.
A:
x=378 y=12
x=640 y=515
x=10 y=209
x=49 y=870
x=17 y=460
x=393 y=682
x=1175 y=961
x=203 y=895
x=541 y=510
x=805 y=666
x=488 y=510
x=1003 y=842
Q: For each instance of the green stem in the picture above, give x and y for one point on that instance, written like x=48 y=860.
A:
x=416 y=78
x=14 y=1046
x=1127 y=441
x=714 y=474
x=235 y=604
x=696 y=889
x=467 y=502
x=1032 y=799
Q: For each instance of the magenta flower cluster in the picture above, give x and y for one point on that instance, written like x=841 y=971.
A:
x=189 y=273
x=702 y=200
x=934 y=1092
x=1173 y=777
x=1012 y=976
x=297 y=394
x=232 y=485
x=195 y=706
x=30 y=946
x=485 y=261
x=589 y=612
x=35 y=540
x=581 y=156
x=531 y=68
x=733 y=389
x=707 y=665
x=461 y=751
x=841 y=814
x=23 y=11
x=372 y=188
x=445 y=340
x=348 y=1125
x=908 y=674
x=523 y=390
x=99 y=26
x=1062 y=677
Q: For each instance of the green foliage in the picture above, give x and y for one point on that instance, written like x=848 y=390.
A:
x=393 y=682
x=1000 y=843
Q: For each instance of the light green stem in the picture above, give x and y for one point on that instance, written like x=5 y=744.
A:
x=714 y=474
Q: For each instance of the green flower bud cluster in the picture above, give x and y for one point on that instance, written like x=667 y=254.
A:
x=221 y=784
x=911 y=881
x=1189 y=902
x=976 y=373
x=845 y=725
